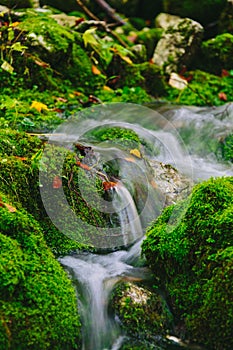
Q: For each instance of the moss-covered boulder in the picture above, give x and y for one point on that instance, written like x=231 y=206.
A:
x=178 y=45
x=47 y=53
x=38 y=302
x=143 y=313
x=189 y=247
x=217 y=54
x=205 y=13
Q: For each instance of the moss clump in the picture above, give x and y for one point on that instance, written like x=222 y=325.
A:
x=184 y=247
x=217 y=53
x=203 y=89
x=119 y=135
x=226 y=148
x=38 y=302
x=143 y=314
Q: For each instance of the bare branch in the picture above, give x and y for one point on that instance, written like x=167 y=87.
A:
x=110 y=11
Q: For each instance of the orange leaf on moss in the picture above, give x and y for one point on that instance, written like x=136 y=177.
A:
x=95 y=70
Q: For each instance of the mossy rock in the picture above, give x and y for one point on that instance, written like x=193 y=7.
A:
x=54 y=53
x=217 y=53
x=38 y=302
x=20 y=172
x=143 y=313
x=205 y=13
x=184 y=247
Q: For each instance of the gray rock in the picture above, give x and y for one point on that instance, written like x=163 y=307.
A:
x=165 y=20
x=178 y=44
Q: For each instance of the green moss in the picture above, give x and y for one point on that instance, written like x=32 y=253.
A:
x=217 y=54
x=38 y=302
x=226 y=148
x=184 y=246
x=203 y=89
x=122 y=136
x=19 y=173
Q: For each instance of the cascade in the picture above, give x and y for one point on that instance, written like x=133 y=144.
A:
x=185 y=138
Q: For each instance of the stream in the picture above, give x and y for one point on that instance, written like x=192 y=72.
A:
x=186 y=138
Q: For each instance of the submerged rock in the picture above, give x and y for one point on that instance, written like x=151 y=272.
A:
x=143 y=313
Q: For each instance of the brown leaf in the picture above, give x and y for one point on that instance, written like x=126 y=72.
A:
x=57 y=182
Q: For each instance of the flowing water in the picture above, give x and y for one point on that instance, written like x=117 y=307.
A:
x=186 y=138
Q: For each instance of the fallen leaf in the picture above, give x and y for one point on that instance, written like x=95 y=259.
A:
x=82 y=165
x=77 y=93
x=95 y=70
x=39 y=106
x=136 y=153
x=15 y=24
x=42 y=64
x=21 y=158
x=57 y=182
x=128 y=159
x=225 y=73
x=107 y=88
x=10 y=208
x=7 y=67
x=222 y=96
x=177 y=81
x=108 y=185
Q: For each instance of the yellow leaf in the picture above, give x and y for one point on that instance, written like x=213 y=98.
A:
x=39 y=106
x=7 y=67
x=136 y=153
x=107 y=88
x=126 y=59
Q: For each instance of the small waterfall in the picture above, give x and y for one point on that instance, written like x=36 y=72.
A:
x=130 y=224
x=95 y=277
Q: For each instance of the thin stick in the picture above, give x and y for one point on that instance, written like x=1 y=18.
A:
x=111 y=12
x=86 y=10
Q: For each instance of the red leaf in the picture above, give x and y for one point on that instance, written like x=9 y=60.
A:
x=108 y=185
x=225 y=73
x=57 y=182
x=222 y=96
